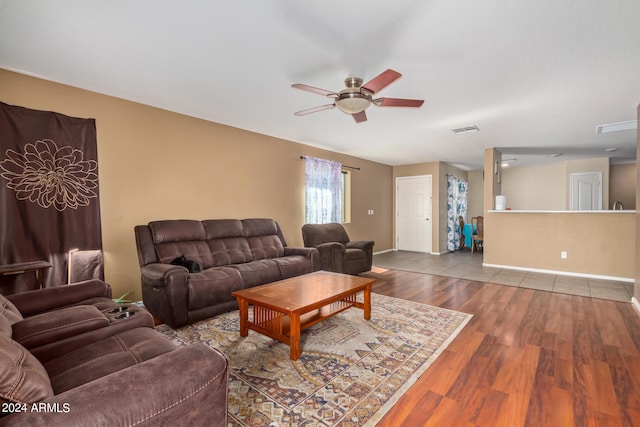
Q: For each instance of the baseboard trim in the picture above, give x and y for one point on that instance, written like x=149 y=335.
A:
x=426 y=253
x=385 y=251
x=635 y=303
x=561 y=273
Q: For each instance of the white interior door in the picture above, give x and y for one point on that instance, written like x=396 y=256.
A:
x=585 y=191
x=413 y=213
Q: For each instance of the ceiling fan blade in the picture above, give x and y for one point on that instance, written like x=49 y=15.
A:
x=314 y=109
x=314 y=90
x=398 y=102
x=381 y=81
x=360 y=117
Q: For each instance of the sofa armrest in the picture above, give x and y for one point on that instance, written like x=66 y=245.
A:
x=165 y=292
x=57 y=325
x=312 y=253
x=160 y=275
x=187 y=386
x=47 y=299
x=331 y=255
x=365 y=245
x=330 y=246
x=308 y=252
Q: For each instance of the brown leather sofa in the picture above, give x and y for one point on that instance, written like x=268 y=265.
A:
x=233 y=254
x=71 y=356
x=337 y=252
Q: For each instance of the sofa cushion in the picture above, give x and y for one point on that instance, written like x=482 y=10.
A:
x=266 y=247
x=173 y=238
x=9 y=310
x=176 y=230
x=227 y=242
x=262 y=235
x=294 y=265
x=104 y=357
x=222 y=228
x=259 y=227
x=258 y=272
x=213 y=286
x=23 y=379
x=316 y=234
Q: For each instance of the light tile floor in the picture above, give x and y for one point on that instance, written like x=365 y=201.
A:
x=465 y=265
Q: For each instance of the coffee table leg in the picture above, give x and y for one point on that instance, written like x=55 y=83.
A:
x=243 y=305
x=294 y=336
x=367 y=302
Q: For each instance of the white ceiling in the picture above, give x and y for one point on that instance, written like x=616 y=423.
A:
x=536 y=76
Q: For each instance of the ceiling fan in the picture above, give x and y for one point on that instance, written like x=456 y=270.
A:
x=357 y=97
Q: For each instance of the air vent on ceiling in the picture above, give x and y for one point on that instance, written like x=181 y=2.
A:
x=473 y=128
x=617 y=127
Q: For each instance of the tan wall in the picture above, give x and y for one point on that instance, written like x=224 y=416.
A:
x=546 y=187
x=596 y=243
x=622 y=185
x=476 y=194
x=492 y=180
x=155 y=164
x=536 y=187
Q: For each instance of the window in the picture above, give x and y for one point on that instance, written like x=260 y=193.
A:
x=323 y=191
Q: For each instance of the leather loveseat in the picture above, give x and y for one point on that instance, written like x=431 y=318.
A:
x=338 y=252
x=233 y=254
x=70 y=356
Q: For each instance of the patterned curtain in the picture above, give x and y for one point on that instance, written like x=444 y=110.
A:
x=49 y=201
x=323 y=191
x=456 y=207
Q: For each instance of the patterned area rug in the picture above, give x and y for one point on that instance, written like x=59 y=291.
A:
x=350 y=373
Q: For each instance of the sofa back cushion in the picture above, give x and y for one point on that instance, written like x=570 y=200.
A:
x=227 y=242
x=262 y=235
x=316 y=234
x=23 y=379
x=173 y=238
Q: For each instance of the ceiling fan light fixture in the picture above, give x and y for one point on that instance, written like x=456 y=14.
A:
x=352 y=102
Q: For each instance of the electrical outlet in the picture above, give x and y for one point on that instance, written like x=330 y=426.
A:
x=563 y=254
x=370 y=212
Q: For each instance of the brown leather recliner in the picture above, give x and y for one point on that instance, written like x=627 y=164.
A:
x=337 y=252
x=69 y=358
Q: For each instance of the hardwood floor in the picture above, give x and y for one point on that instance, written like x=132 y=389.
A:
x=526 y=358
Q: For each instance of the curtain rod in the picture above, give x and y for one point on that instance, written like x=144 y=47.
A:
x=344 y=166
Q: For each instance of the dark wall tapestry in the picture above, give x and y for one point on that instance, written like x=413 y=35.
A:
x=49 y=199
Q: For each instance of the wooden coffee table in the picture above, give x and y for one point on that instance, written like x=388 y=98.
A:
x=282 y=309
